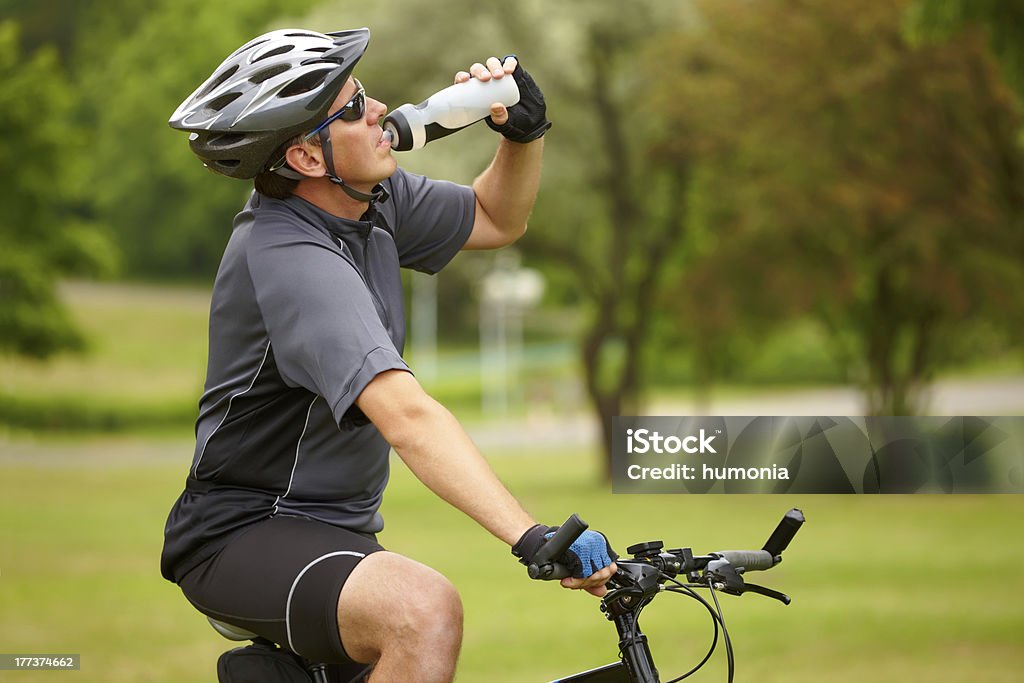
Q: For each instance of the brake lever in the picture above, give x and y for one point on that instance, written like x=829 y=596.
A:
x=723 y=577
x=769 y=593
x=727 y=579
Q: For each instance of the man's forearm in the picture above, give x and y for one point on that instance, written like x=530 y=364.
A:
x=507 y=189
x=441 y=455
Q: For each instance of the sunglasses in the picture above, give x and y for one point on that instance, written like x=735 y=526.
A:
x=352 y=110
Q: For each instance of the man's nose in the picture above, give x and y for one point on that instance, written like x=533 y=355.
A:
x=375 y=110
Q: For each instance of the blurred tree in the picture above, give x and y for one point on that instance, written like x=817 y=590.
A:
x=134 y=73
x=52 y=22
x=852 y=176
x=42 y=235
x=1002 y=20
x=613 y=206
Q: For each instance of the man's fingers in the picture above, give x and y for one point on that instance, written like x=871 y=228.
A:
x=495 y=67
x=499 y=114
x=480 y=71
x=594 y=583
x=584 y=584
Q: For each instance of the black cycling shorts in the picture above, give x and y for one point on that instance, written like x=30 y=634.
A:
x=281 y=578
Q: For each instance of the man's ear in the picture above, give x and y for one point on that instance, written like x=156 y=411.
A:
x=306 y=159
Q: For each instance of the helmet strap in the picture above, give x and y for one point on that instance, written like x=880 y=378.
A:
x=378 y=193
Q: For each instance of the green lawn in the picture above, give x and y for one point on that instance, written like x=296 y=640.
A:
x=143 y=367
x=884 y=588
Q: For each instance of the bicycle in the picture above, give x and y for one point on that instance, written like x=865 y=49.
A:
x=638 y=581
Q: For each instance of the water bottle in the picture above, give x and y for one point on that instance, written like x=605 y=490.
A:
x=412 y=126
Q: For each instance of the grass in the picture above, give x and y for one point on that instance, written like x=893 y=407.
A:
x=144 y=366
x=884 y=587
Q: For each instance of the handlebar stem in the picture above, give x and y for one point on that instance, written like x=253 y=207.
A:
x=634 y=649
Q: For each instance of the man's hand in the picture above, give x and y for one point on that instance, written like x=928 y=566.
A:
x=593 y=584
x=527 y=121
x=493 y=69
x=590 y=558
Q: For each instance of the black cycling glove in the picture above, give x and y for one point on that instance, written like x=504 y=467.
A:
x=588 y=554
x=526 y=119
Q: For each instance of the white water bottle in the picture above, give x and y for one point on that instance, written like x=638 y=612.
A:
x=457 y=106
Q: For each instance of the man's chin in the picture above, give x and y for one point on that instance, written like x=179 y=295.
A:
x=391 y=168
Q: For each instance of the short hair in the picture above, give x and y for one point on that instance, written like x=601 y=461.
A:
x=273 y=184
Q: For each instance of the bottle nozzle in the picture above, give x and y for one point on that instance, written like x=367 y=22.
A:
x=389 y=135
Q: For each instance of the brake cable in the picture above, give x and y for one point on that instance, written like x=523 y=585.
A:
x=725 y=631
x=686 y=591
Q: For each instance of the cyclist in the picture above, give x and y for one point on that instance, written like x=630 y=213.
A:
x=306 y=386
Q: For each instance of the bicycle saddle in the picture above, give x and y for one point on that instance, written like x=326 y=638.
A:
x=230 y=632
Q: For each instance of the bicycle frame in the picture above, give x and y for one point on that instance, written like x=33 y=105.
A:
x=637 y=665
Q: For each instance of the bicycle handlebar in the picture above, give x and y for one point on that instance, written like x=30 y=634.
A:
x=652 y=570
x=784 y=532
x=749 y=560
x=544 y=567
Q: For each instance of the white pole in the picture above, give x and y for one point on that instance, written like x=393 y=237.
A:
x=424 y=326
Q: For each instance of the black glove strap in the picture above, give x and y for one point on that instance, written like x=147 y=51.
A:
x=526 y=119
x=530 y=542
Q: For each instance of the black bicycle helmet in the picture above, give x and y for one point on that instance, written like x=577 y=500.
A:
x=271 y=89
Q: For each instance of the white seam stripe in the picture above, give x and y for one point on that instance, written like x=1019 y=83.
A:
x=195 y=470
x=296 y=463
x=288 y=603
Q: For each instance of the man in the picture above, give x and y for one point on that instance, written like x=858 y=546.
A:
x=306 y=387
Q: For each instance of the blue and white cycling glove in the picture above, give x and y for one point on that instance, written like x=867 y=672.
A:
x=588 y=554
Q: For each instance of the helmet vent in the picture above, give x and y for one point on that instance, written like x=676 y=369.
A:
x=268 y=73
x=305 y=83
x=226 y=140
x=213 y=85
x=228 y=163
x=317 y=49
x=223 y=101
x=273 y=53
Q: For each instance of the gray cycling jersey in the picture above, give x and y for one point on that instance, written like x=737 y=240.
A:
x=307 y=308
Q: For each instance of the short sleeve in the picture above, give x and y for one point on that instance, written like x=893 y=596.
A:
x=431 y=219
x=325 y=333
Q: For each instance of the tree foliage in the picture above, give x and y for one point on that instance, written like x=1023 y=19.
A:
x=1002 y=20
x=615 y=210
x=170 y=217
x=714 y=168
x=43 y=231
x=852 y=176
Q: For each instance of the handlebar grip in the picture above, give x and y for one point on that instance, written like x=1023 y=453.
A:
x=544 y=566
x=750 y=560
x=552 y=571
x=784 y=532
